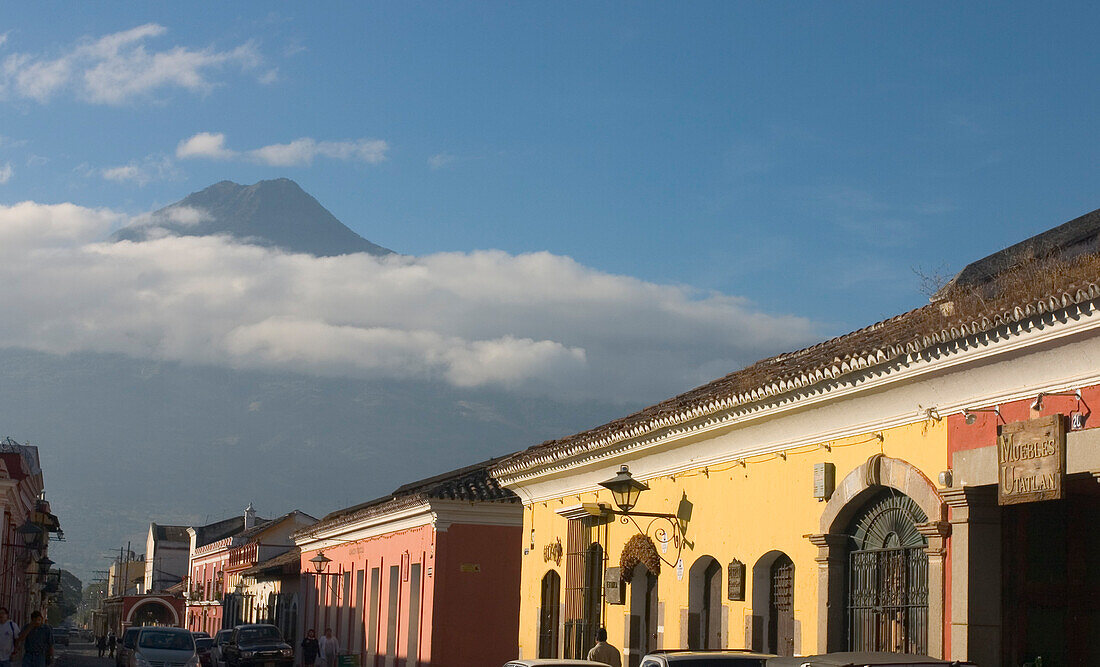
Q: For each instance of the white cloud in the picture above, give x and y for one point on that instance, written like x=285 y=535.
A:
x=440 y=160
x=204 y=145
x=536 y=323
x=142 y=172
x=300 y=152
x=6 y=173
x=118 y=68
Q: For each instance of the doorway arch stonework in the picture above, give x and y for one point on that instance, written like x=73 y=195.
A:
x=857 y=487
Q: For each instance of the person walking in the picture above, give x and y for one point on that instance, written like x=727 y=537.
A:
x=112 y=642
x=37 y=642
x=101 y=644
x=330 y=648
x=604 y=652
x=310 y=649
x=9 y=633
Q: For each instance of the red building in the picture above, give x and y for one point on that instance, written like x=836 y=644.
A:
x=427 y=575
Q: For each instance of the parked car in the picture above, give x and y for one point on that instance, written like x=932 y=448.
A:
x=164 y=646
x=202 y=648
x=125 y=646
x=552 y=662
x=863 y=659
x=61 y=636
x=200 y=634
x=221 y=638
x=257 y=645
x=696 y=658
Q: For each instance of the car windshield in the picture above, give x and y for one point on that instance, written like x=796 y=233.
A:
x=202 y=643
x=166 y=639
x=256 y=634
x=223 y=636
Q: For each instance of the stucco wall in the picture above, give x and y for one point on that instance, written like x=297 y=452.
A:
x=744 y=512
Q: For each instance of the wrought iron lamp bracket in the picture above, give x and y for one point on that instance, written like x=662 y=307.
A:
x=659 y=534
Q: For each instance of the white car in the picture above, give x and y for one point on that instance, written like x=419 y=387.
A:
x=553 y=662
x=164 y=647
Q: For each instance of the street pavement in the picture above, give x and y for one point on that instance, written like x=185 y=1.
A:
x=80 y=655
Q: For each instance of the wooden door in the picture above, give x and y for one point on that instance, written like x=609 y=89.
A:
x=781 y=609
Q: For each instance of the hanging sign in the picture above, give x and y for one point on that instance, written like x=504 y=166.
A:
x=1031 y=460
x=679 y=569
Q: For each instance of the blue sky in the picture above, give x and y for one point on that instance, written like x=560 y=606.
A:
x=805 y=156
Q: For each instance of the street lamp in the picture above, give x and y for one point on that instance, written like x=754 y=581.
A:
x=30 y=533
x=320 y=562
x=625 y=489
x=44 y=564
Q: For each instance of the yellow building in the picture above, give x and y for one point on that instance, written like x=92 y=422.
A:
x=806 y=503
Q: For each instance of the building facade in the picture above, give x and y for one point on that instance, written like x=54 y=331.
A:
x=27 y=524
x=166 y=552
x=924 y=485
x=427 y=575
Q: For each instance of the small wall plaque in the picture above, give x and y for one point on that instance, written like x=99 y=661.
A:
x=613 y=587
x=736 y=580
x=824 y=480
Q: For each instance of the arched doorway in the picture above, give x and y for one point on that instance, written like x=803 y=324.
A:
x=153 y=612
x=887 y=598
x=773 y=603
x=548 y=615
x=705 y=604
x=643 y=614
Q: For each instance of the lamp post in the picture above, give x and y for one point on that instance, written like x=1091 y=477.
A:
x=625 y=491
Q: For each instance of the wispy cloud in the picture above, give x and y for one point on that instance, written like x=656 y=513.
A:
x=536 y=323
x=440 y=160
x=300 y=152
x=141 y=172
x=118 y=68
x=6 y=173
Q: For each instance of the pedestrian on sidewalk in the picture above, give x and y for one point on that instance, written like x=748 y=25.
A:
x=9 y=632
x=112 y=641
x=330 y=648
x=310 y=649
x=101 y=644
x=37 y=642
x=604 y=652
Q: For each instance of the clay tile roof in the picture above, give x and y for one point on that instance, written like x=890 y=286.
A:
x=290 y=558
x=472 y=483
x=1030 y=286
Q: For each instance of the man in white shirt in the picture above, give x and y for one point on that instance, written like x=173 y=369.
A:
x=8 y=632
x=329 y=648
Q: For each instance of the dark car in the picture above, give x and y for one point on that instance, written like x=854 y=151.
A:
x=126 y=644
x=257 y=645
x=202 y=648
x=221 y=638
x=61 y=636
x=864 y=659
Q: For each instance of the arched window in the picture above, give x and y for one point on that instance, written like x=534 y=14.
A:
x=888 y=576
x=548 y=615
x=705 y=604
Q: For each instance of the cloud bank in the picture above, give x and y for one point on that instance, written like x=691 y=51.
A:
x=118 y=68
x=297 y=153
x=536 y=323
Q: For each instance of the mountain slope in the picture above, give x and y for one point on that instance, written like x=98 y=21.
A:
x=276 y=213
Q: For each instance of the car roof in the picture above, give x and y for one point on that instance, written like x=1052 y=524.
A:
x=550 y=662
x=859 y=659
x=677 y=655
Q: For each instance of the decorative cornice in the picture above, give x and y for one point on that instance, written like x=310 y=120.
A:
x=1038 y=323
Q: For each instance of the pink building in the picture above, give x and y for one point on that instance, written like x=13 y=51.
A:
x=428 y=575
x=26 y=523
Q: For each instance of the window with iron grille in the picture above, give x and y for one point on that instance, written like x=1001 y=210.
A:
x=584 y=565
